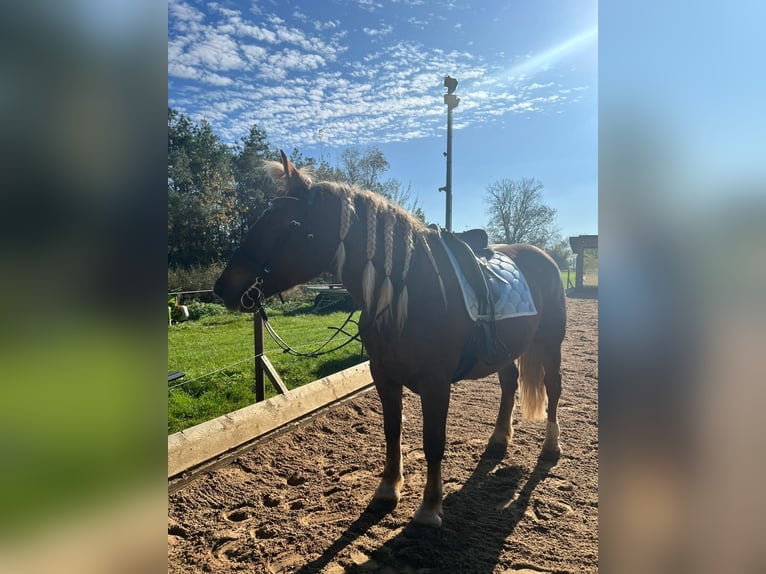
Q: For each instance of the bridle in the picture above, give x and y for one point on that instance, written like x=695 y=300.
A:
x=255 y=289
x=256 y=304
x=252 y=300
x=247 y=300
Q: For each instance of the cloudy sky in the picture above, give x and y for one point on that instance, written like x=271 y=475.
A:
x=322 y=76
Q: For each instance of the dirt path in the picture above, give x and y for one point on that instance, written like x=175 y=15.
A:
x=299 y=503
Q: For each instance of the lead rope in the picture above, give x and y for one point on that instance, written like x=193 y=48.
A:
x=248 y=303
x=318 y=352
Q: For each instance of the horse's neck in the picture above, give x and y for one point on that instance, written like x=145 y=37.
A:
x=374 y=278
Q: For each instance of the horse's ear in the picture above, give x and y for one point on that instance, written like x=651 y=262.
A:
x=297 y=182
x=287 y=166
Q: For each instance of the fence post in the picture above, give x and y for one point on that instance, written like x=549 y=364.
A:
x=260 y=389
x=262 y=364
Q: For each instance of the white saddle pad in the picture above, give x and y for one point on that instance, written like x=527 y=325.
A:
x=510 y=294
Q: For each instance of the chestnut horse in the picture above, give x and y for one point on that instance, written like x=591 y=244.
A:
x=414 y=323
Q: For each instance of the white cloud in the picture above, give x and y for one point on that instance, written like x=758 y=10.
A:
x=254 y=32
x=290 y=79
x=417 y=22
x=216 y=79
x=185 y=16
x=179 y=70
x=384 y=30
x=369 y=5
x=215 y=51
x=331 y=25
x=295 y=60
x=254 y=54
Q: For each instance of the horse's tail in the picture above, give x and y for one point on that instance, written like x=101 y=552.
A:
x=532 y=395
x=545 y=349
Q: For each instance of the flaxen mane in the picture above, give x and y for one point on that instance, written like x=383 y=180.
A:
x=384 y=286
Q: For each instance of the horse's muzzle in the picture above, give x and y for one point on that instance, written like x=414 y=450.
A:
x=230 y=298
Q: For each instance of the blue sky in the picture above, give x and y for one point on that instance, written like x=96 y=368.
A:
x=322 y=76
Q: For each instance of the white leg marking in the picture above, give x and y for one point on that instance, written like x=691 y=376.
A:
x=551 y=442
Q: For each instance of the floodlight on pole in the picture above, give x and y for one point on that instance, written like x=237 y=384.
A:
x=451 y=101
x=450 y=83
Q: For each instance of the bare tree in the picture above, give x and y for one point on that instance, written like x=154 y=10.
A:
x=518 y=214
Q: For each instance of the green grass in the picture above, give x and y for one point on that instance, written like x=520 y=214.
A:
x=590 y=270
x=224 y=343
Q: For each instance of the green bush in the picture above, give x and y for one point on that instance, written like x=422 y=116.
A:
x=194 y=278
x=198 y=309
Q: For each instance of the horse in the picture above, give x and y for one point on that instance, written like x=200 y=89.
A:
x=414 y=324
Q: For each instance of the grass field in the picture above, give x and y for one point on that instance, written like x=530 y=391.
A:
x=216 y=353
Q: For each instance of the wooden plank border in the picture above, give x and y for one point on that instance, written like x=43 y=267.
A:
x=198 y=444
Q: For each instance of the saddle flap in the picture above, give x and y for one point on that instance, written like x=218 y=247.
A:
x=469 y=265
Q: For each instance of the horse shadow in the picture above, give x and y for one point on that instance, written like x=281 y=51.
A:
x=478 y=520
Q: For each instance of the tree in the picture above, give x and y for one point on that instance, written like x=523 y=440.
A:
x=366 y=169
x=518 y=214
x=561 y=252
x=254 y=188
x=403 y=197
x=201 y=200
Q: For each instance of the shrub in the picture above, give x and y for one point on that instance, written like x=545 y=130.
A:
x=198 y=309
x=194 y=278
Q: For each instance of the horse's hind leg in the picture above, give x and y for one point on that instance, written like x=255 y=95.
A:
x=552 y=365
x=503 y=433
x=389 y=490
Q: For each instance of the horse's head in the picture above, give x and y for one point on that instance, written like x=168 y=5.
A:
x=288 y=245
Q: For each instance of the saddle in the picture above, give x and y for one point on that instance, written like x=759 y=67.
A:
x=471 y=251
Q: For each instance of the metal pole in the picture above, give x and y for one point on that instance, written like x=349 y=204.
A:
x=448 y=216
x=451 y=100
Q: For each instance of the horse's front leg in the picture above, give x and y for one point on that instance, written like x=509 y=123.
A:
x=434 y=398
x=389 y=490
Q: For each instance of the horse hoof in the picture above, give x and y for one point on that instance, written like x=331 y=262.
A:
x=386 y=497
x=422 y=532
x=424 y=517
x=382 y=506
x=550 y=454
x=498 y=444
x=495 y=450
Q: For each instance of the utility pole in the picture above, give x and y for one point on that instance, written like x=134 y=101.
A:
x=452 y=101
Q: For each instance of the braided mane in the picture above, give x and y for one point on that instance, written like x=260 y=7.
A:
x=384 y=286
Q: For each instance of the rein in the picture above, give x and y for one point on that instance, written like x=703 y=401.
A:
x=257 y=306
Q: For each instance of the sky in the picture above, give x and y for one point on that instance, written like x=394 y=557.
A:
x=323 y=76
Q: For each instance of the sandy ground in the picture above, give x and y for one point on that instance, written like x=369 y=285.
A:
x=300 y=502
